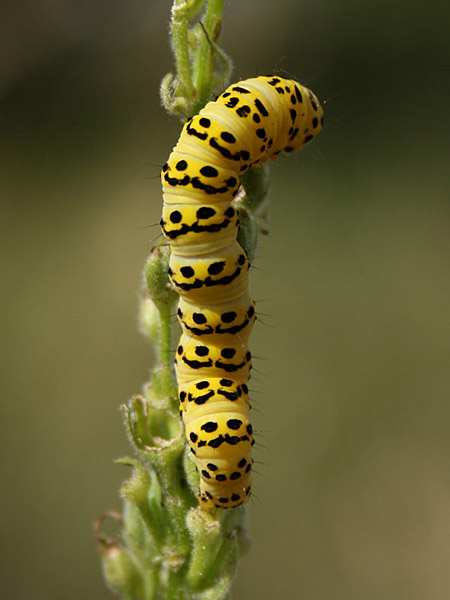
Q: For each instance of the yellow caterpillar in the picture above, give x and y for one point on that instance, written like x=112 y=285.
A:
x=251 y=122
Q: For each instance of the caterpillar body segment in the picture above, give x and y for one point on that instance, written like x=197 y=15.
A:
x=251 y=122
x=213 y=359
x=220 y=436
x=219 y=276
x=227 y=322
x=196 y=230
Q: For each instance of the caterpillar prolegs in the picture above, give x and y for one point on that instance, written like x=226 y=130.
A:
x=251 y=122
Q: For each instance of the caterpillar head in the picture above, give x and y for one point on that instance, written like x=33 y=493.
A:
x=299 y=114
x=308 y=119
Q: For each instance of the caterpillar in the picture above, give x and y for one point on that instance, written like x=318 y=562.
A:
x=251 y=122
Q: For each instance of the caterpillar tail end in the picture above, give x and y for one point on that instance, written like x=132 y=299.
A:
x=210 y=499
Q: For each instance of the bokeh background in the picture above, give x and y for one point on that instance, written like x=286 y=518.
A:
x=353 y=486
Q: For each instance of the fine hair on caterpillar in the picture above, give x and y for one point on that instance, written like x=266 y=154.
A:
x=251 y=122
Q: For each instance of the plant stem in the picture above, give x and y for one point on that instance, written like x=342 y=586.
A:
x=166 y=375
x=181 y=12
x=203 y=67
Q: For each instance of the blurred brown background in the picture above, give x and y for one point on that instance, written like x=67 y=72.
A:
x=353 y=493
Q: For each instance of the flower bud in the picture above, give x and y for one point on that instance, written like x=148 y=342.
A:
x=137 y=534
x=149 y=319
x=144 y=491
x=120 y=571
x=152 y=427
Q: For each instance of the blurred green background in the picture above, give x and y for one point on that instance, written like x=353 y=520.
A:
x=353 y=486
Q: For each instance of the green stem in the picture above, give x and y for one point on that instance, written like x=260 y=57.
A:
x=181 y=12
x=256 y=183
x=172 y=549
x=176 y=587
x=203 y=68
x=165 y=374
x=165 y=336
x=151 y=583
